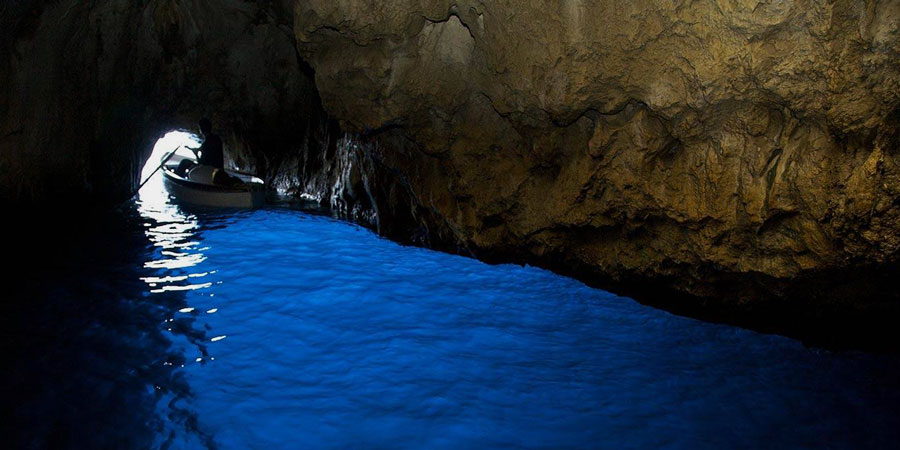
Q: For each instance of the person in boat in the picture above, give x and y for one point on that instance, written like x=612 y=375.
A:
x=208 y=154
x=210 y=151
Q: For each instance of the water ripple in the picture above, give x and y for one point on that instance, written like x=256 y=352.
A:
x=279 y=329
x=347 y=339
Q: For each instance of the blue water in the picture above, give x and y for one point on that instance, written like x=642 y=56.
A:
x=279 y=329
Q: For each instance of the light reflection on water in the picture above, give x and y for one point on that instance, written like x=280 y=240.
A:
x=278 y=329
x=168 y=227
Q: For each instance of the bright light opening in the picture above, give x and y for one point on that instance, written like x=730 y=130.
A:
x=153 y=194
x=169 y=142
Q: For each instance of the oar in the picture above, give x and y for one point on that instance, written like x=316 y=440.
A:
x=163 y=163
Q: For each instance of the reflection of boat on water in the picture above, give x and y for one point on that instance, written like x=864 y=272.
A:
x=198 y=188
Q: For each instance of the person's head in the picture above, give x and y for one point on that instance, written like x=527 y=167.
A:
x=205 y=126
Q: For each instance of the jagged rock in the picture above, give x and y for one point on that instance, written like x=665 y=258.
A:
x=683 y=142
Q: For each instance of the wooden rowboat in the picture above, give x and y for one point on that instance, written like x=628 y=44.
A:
x=197 y=188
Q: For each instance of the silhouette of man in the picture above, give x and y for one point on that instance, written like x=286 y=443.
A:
x=210 y=151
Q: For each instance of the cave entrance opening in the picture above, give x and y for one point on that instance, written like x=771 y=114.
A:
x=153 y=190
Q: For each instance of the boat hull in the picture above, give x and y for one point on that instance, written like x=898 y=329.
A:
x=202 y=194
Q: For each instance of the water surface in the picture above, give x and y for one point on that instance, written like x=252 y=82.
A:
x=273 y=328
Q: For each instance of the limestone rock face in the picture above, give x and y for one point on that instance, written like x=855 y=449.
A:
x=86 y=88
x=686 y=142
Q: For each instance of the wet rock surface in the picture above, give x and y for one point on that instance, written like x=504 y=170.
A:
x=726 y=150
x=733 y=160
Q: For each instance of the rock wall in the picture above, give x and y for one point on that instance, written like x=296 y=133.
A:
x=722 y=148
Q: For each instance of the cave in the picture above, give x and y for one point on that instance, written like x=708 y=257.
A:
x=553 y=181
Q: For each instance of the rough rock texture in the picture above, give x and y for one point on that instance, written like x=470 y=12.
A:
x=717 y=147
x=86 y=88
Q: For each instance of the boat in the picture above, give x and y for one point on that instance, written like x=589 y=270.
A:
x=197 y=187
